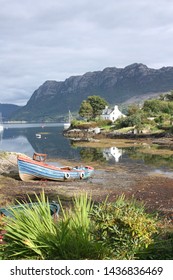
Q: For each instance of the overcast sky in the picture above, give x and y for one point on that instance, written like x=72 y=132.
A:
x=53 y=40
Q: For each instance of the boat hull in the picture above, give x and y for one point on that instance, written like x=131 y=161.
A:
x=8 y=212
x=66 y=126
x=30 y=169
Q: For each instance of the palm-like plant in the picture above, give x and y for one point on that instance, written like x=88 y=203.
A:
x=25 y=230
x=33 y=234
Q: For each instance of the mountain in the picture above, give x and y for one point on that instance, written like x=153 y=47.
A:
x=7 y=109
x=53 y=99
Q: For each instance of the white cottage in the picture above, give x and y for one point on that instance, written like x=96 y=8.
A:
x=111 y=114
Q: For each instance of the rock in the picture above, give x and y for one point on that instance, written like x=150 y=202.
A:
x=8 y=162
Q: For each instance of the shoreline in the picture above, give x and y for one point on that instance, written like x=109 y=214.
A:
x=83 y=135
x=138 y=181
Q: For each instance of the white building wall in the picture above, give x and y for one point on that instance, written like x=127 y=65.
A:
x=114 y=115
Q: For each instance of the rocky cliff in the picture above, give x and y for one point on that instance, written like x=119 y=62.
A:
x=52 y=100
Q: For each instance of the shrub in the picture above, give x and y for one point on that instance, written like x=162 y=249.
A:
x=83 y=124
x=130 y=121
x=102 y=122
x=123 y=227
x=160 y=249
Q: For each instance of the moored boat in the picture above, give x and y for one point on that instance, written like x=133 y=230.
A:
x=36 y=168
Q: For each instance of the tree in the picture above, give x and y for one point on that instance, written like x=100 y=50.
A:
x=133 y=109
x=86 y=110
x=162 y=97
x=169 y=96
x=156 y=106
x=92 y=107
x=98 y=104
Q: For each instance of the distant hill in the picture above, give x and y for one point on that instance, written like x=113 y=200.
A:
x=52 y=100
x=7 y=109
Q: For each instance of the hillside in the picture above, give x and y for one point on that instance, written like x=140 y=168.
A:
x=52 y=100
x=7 y=109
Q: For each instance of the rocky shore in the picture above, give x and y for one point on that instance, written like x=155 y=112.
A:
x=92 y=135
x=100 y=133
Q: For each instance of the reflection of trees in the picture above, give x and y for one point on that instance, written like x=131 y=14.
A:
x=150 y=159
x=92 y=154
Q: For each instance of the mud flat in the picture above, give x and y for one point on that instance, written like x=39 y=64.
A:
x=134 y=180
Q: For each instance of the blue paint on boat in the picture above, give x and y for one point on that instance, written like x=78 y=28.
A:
x=30 y=169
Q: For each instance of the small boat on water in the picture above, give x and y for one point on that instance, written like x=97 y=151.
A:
x=38 y=135
x=36 y=168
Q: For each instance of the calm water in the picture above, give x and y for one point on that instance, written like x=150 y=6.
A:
x=27 y=138
x=48 y=138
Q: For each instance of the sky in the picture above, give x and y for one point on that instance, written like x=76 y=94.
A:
x=52 y=40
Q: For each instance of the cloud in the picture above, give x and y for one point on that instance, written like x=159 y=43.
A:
x=52 y=40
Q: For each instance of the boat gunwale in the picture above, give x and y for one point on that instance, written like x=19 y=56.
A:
x=48 y=166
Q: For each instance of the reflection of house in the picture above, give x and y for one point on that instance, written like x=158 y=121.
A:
x=111 y=114
x=112 y=152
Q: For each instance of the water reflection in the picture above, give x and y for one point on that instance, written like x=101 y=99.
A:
x=126 y=155
x=49 y=139
x=153 y=159
x=112 y=153
x=24 y=139
x=1 y=136
x=92 y=155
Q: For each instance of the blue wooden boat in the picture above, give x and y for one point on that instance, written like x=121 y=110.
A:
x=36 y=168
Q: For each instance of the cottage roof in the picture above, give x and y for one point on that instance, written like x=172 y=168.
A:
x=108 y=111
